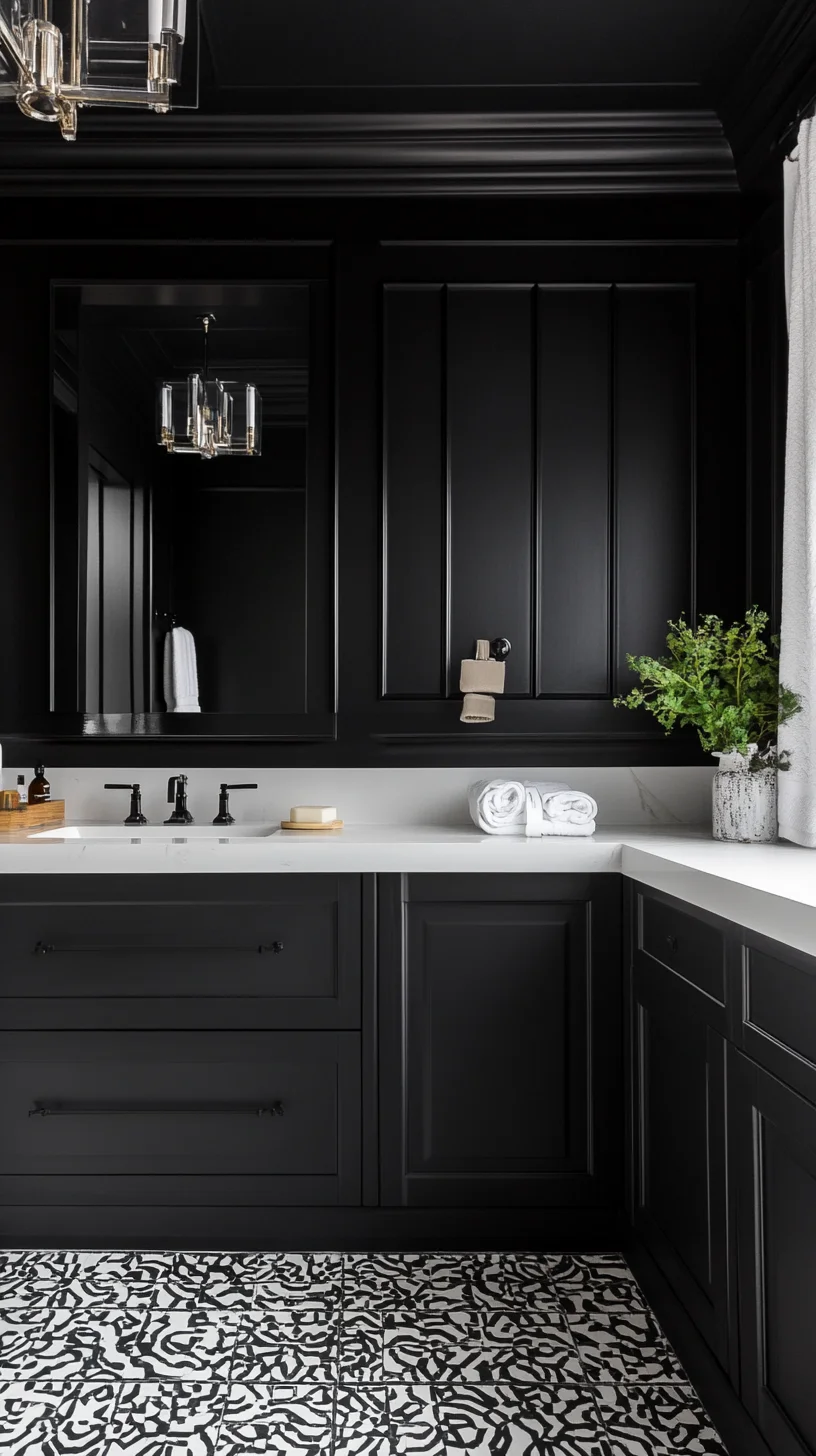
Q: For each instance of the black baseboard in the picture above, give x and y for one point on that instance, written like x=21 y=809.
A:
x=705 y=1373
x=310 y=1228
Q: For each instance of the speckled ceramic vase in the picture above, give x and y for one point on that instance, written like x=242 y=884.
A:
x=743 y=803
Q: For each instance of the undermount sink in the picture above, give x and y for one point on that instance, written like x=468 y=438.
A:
x=158 y=831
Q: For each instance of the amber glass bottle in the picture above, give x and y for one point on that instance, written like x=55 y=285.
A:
x=39 y=790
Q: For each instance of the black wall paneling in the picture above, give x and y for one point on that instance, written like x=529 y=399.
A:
x=767 y=346
x=537 y=439
x=655 y=465
x=558 y=447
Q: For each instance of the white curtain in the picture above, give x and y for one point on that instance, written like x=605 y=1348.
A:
x=797 y=787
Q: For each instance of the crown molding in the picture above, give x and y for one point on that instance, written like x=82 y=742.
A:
x=359 y=155
x=777 y=77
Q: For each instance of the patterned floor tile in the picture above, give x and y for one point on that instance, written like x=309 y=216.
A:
x=300 y=1281
x=387 y=1421
x=45 y=1345
x=520 y=1421
x=405 y=1281
x=510 y=1281
x=159 y=1417
x=121 y=1267
x=640 y=1417
x=297 y=1418
x=117 y=1353
x=626 y=1346
x=505 y=1346
x=594 y=1283
x=360 y=1351
x=268 y=1404
x=175 y=1345
x=55 y=1418
x=286 y=1346
x=213 y=1294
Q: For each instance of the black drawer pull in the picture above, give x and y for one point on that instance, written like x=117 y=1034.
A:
x=89 y=1109
x=42 y=948
x=672 y=942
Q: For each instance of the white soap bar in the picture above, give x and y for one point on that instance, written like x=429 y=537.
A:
x=312 y=814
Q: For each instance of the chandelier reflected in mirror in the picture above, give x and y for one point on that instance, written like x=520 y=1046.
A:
x=209 y=417
x=59 y=55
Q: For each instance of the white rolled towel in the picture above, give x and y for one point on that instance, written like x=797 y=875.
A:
x=537 y=810
x=568 y=806
x=499 y=806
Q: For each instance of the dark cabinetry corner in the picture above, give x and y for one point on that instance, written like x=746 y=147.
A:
x=679 y=1145
x=723 y=1153
x=774 y=1132
x=500 y=1037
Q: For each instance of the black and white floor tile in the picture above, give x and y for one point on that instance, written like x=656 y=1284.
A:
x=220 y=1354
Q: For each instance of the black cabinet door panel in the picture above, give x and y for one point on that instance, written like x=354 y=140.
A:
x=687 y=945
x=277 y=951
x=775 y=1132
x=654 y=462
x=495 y=1090
x=680 y=1180
x=778 y=1020
x=490 y=333
x=574 y=398
x=544 y=440
x=266 y=1107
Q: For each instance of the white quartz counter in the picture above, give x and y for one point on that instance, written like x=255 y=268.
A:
x=768 y=888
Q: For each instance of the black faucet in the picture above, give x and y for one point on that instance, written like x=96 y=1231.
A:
x=177 y=786
x=135 y=816
x=223 y=816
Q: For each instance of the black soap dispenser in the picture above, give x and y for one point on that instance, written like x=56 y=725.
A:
x=39 y=790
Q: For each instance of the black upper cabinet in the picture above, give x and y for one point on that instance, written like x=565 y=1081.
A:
x=557 y=430
x=237 y=550
x=500 y=1029
x=535 y=440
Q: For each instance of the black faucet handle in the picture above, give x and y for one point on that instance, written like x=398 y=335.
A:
x=177 y=796
x=223 y=816
x=172 y=786
x=135 y=816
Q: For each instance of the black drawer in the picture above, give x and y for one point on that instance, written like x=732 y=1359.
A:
x=692 y=948
x=125 y=955
x=183 y=1117
x=779 y=1012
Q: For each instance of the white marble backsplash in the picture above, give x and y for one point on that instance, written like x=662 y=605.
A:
x=424 y=796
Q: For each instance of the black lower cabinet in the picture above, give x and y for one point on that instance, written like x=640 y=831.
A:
x=179 y=1118
x=500 y=1017
x=774 y=1132
x=679 y=1190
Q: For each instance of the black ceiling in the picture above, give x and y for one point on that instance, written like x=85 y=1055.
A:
x=328 y=44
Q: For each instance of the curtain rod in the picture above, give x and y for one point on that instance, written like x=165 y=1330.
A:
x=790 y=131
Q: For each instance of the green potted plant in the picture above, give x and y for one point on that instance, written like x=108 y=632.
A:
x=724 y=681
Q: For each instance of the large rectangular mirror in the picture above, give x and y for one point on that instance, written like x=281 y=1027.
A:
x=188 y=458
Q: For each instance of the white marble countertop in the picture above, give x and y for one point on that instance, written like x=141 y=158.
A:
x=768 y=888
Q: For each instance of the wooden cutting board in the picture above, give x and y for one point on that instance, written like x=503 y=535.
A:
x=292 y=824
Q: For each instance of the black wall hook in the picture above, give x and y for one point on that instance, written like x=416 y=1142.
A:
x=500 y=648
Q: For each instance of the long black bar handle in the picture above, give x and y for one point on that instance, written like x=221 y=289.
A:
x=118 y=1109
x=135 y=816
x=43 y=948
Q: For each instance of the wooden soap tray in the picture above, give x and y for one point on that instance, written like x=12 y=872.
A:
x=292 y=824
x=32 y=816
